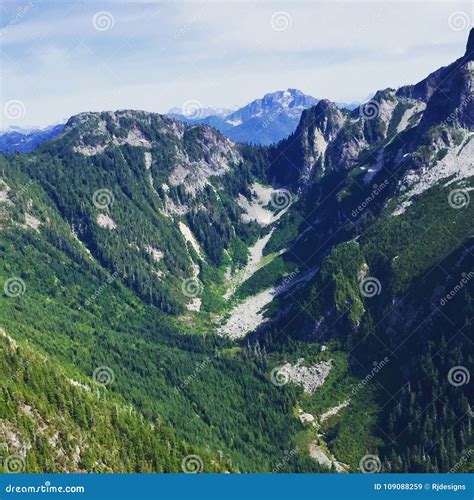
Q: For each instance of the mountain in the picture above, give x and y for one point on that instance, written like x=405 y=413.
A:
x=301 y=307
x=19 y=140
x=263 y=121
x=191 y=108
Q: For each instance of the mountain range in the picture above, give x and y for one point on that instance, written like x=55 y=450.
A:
x=178 y=301
x=26 y=140
x=264 y=121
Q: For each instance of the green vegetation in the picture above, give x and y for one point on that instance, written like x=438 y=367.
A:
x=63 y=422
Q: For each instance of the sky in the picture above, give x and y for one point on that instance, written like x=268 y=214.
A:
x=62 y=57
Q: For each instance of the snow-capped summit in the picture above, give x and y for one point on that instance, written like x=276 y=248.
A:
x=263 y=121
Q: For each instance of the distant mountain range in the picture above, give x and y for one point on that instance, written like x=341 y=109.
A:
x=264 y=121
x=25 y=140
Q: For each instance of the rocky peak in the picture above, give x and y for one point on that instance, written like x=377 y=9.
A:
x=469 y=54
x=325 y=116
x=424 y=89
x=450 y=98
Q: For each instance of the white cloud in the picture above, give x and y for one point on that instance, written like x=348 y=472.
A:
x=159 y=54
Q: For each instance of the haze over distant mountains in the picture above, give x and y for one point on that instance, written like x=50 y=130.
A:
x=264 y=121
x=25 y=140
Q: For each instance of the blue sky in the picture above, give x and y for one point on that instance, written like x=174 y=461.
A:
x=62 y=57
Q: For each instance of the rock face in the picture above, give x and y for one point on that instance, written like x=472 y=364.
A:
x=394 y=128
x=310 y=377
x=329 y=140
x=194 y=153
x=455 y=81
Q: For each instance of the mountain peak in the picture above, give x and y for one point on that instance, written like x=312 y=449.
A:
x=470 y=45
